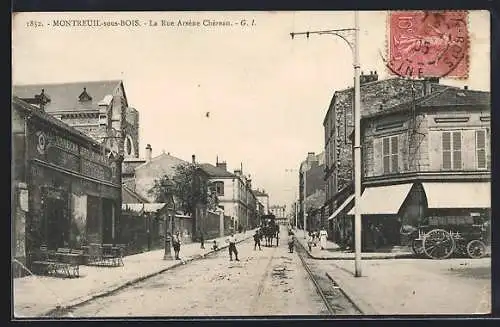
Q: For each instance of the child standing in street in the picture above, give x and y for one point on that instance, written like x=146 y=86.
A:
x=290 y=242
x=202 y=240
x=256 y=239
x=176 y=243
x=232 y=247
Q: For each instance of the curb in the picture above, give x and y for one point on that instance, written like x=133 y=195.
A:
x=376 y=257
x=116 y=288
x=362 y=306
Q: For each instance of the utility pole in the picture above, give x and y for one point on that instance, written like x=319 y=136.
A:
x=304 y=201
x=351 y=37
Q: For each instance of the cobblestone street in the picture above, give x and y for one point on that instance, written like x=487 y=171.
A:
x=267 y=282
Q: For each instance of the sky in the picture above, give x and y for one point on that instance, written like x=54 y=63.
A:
x=267 y=94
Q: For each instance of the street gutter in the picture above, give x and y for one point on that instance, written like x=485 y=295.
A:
x=61 y=311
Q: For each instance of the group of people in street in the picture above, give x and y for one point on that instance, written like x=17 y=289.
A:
x=315 y=237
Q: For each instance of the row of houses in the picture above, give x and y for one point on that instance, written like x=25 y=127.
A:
x=77 y=176
x=425 y=152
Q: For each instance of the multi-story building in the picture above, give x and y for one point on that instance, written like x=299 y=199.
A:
x=376 y=96
x=263 y=198
x=279 y=211
x=311 y=175
x=99 y=109
x=429 y=156
x=234 y=193
x=66 y=190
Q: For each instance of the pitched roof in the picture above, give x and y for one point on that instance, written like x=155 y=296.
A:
x=445 y=97
x=130 y=196
x=169 y=159
x=453 y=96
x=65 y=96
x=39 y=113
x=214 y=171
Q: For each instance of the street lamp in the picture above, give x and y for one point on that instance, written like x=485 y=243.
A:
x=352 y=41
x=170 y=225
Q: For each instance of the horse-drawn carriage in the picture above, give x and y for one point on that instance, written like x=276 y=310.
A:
x=443 y=236
x=269 y=229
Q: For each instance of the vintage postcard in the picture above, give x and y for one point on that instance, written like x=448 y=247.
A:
x=258 y=163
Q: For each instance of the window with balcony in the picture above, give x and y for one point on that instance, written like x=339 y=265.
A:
x=481 y=151
x=219 y=188
x=452 y=150
x=390 y=154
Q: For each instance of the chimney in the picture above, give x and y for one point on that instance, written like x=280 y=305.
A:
x=221 y=165
x=193 y=159
x=149 y=151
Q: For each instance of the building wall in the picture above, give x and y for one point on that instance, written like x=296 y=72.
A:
x=265 y=203
x=63 y=173
x=338 y=124
x=423 y=152
x=145 y=175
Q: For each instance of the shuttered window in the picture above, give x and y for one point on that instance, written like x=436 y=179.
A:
x=390 y=154
x=452 y=150
x=481 y=149
x=394 y=154
x=386 y=154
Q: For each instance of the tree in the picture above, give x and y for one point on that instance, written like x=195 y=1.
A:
x=188 y=186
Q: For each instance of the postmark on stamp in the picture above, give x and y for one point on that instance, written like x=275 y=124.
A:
x=425 y=44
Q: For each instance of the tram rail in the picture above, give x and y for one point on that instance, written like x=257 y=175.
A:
x=330 y=293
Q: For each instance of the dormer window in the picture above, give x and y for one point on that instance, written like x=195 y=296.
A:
x=103 y=120
x=84 y=96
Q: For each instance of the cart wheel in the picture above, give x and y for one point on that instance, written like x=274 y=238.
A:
x=476 y=249
x=438 y=244
x=417 y=247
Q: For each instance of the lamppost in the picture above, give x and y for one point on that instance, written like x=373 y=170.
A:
x=352 y=41
x=170 y=224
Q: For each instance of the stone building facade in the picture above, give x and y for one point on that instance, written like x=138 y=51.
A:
x=376 y=96
x=234 y=192
x=426 y=157
x=99 y=109
x=66 y=189
x=312 y=196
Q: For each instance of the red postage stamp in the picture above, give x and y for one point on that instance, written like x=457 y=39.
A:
x=428 y=44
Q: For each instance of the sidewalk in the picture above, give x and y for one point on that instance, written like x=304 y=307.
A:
x=36 y=296
x=334 y=252
x=415 y=287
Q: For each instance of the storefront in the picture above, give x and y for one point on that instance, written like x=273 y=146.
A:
x=386 y=208
x=73 y=188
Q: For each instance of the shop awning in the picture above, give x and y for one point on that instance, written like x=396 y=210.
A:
x=458 y=195
x=342 y=206
x=383 y=199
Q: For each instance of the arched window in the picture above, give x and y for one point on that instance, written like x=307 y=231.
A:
x=128 y=146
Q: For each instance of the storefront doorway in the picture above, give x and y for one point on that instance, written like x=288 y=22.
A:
x=56 y=222
x=108 y=219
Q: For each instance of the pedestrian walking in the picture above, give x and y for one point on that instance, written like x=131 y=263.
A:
x=310 y=241
x=176 y=243
x=290 y=242
x=215 y=247
x=232 y=247
x=202 y=240
x=256 y=239
x=323 y=234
